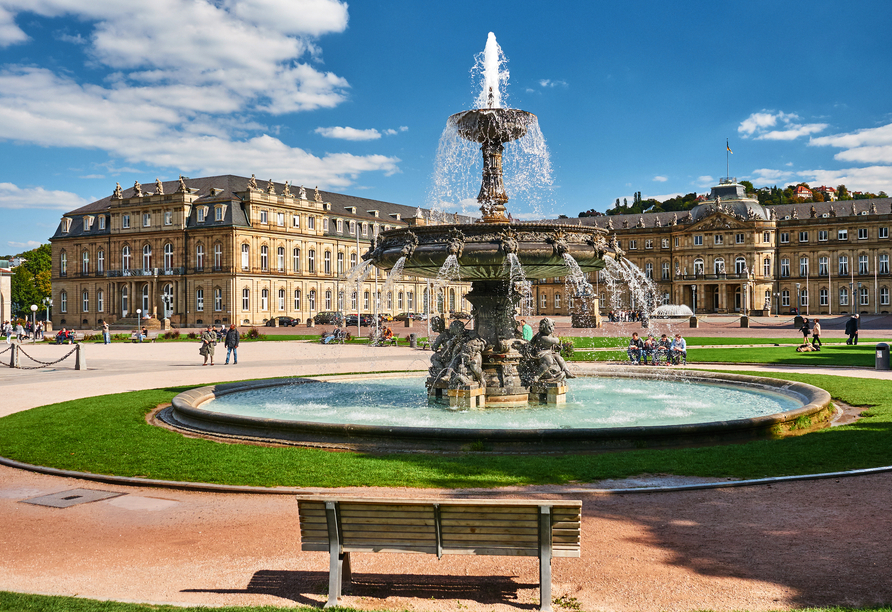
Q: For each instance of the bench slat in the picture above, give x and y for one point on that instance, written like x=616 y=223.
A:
x=478 y=530
x=430 y=550
x=493 y=551
x=450 y=509
x=352 y=521
x=507 y=539
x=488 y=516
x=554 y=503
x=350 y=506
x=348 y=514
x=388 y=529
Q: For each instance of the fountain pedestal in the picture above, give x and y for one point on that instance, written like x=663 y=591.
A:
x=467 y=396
x=548 y=393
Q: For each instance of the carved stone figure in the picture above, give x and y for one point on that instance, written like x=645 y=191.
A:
x=873 y=208
x=832 y=211
x=795 y=213
x=467 y=365
x=440 y=359
x=674 y=219
x=854 y=210
x=456 y=242
x=303 y=193
x=119 y=193
x=252 y=183
x=813 y=212
x=287 y=190
x=773 y=215
x=609 y=223
x=658 y=223
x=543 y=362
x=625 y=224
x=317 y=196
x=271 y=187
x=640 y=222
x=181 y=187
x=508 y=241
x=137 y=190
x=159 y=188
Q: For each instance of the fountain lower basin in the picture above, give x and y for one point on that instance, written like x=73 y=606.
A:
x=577 y=426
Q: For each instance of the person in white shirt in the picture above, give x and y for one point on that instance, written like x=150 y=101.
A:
x=679 y=350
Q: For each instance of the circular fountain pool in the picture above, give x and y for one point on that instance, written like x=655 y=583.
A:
x=627 y=408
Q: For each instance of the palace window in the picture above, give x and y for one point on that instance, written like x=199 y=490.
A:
x=353 y=228
x=168 y=256
x=63 y=301
x=365 y=301
x=295 y=221
x=85 y=297
x=199 y=300
x=246 y=299
x=353 y=301
x=865 y=298
x=718 y=239
x=352 y=260
x=785 y=267
x=102 y=222
x=785 y=237
x=676 y=241
x=281 y=299
x=147 y=257
x=883 y=232
x=739 y=238
x=843 y=265
x=100 y=301
x=785 y=297
x=340 y=262
x=264 y=258
x=633 y=245
x=311 y=299
x=557 y=301
x=295 y=260
x=766 y=237
x=311 y=223
x=218 y=214
x=862 y=233
x=740 y=266
x=823 y=266
x=85 y=263
x=264 y=216
x=340 y=226
x=843 y=296
x=803 y=236
x=126 y=261
x=218 y=256
x=297 y=299
x=100 y=261
x=544 y=301
x=824 y=297
x=324 y=224
x=199 y=256
x=664 y=243
x=842 y=234
x=125 y=221
x=803 y=298
x=698 y=266
x=264 y=299
x=648 y=244
x=665 y=270
x=649 y=270
x=246 y=259
x=766 y=266
x=698 y=240
x=199 y=214
x=328 y=299
x=365 y=228
x=884 y=296
x=280 y=219
x=862 y=265
x=168 y=217
x=399 y=301
x=410 y=300
x=280 y=259
x=884 y=263
x=823 y=235
x=718 y=266
x=803 y=266
x=218 y=299
x=146 y=219
x=311 y=261
x=326 y=263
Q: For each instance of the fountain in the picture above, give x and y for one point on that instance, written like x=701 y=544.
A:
x=488 y=365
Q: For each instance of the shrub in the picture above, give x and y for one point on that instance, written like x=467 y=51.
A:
x=253 y=334
x=192 y=336
x=171 y=335
x=567 y=349
x=92 y=338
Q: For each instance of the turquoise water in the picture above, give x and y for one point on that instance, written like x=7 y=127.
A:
x=591 y=403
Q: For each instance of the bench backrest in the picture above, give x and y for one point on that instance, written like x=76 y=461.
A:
x=471 y=527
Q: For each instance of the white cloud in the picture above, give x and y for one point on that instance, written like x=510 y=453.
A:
x=393 y=132
x=12 y=196
x=185 y=81
x=660 y=179
x=549 y=83
x=871 y=178
x=868 y=146
x=349 y=133
x=662 y=197
x=769 y=175
x=757 y=124
x=24 y=246
x=705 y=181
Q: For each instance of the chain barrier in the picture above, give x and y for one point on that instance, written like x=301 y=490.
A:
x=43 y=364
x=8 y=348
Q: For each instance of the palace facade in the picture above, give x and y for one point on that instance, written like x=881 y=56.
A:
x=730 y=254
x=224 y=249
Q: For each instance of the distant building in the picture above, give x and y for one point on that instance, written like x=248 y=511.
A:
x=224 y=249
x=829 y=193
x=803 y=192
x=5 y=291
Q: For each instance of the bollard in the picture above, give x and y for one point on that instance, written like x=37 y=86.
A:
x=413 y=340
x=744 y=321
x=14 y=357
x=694 y=322
x=882 y=356
x=80 y=359
x=408 y=322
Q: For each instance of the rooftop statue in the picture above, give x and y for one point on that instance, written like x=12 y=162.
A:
x=303 y=193
x=674 y=219
x=287 y=191
x=252 y=183
x=271 y=187
x=181 y=188
x=159 y=188
x=832 y=211
x=317 y=196
x=137 y=190
x=873 y=208
x=813 y=212
x=119 y=193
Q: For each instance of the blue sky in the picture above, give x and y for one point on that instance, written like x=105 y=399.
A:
x=631 y=96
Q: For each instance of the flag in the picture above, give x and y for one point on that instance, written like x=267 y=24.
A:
x=729 y=148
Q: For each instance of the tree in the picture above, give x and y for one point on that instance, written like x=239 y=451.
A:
x=842 y=193
x=748 y=186
x=31 y=280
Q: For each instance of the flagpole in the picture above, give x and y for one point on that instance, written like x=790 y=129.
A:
x=727 y=159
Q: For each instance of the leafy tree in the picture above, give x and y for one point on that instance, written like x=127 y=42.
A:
x=748 y=186
x=842 y=193
x=31 y=280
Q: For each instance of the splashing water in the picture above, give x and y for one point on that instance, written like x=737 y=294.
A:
x=449 y=272
x=395 y=272
x=642 y=291
x=575 y=278
x=359 y=272
x=492 y=73
x=513 y=270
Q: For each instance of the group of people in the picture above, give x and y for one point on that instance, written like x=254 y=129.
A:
x=624 y=316
x=21 y=332
x=813 y=330
x=657 y=350
x=209 y=339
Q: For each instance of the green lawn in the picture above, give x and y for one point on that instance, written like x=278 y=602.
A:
x=585 y=342
x=108 y=434
x=831 y=355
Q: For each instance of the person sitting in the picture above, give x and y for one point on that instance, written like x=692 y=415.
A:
x=679 y=350
x=636 y=346
x=60 y=337
x=649 y=351
x=662 y=352
x=387 y=335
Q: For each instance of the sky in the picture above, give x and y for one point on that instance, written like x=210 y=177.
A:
x=353 y=97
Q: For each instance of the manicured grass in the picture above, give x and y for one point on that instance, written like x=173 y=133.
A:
x=109 y=435
x=584 y=342
x=831 y=355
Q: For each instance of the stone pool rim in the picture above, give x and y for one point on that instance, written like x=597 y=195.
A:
x=185 y=414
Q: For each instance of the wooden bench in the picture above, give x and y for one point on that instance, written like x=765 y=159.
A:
x=501 y=527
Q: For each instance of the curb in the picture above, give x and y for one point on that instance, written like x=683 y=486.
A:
x=204 y=487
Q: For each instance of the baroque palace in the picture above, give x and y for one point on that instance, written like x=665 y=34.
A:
x=224 y=250
x=730 y=254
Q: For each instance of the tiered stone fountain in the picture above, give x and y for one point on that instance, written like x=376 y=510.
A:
x=490 y=365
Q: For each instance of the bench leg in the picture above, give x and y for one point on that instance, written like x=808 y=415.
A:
x=545 y=559
x=337 y=558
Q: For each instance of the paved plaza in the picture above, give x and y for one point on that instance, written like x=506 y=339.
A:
x=790 y=544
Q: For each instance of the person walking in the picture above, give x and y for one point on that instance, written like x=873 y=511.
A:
x=526 y=330
x=20 y=332
x=106 y=335
x=852 y=330
x=805 y=329
x=816 y=333
x=208 y=341
x=231 y=344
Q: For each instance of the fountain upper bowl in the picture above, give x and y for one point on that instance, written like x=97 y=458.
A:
x=492 y=124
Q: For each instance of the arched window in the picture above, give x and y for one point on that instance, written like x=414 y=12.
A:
x=441 y=302
x=168 y=256
x=218 y=299
x=843 y=296
x=145 y=299
x=399 y=301
x=766 y=266
x=264 y=258
x=264 y=299
x=365 y=301
x=353 y=301
x=280 y=259
x=843 y=266
x=100 y=261
x=557 y=301
x=282 y=293
x=100 y=301
x=311 y=299
x=326 y=262
x=340 y=263
x=147 y=257
x=297 y=300
x=340 y=301
x=63 y=264
x=698 y=266
x=246 y=258
x=295 y=260
x=246 y=299
x=718 y=266
x=124 y=309
x=410 y=301
x=218 y=256
x=199 y=256
x=389 y=301
x=328 y=299
x=85 y=296
x=126 y=259
x=740 y=266
x=63 y=301
x=649 y=270
x=199 y=300
x=884 y=296
x=452 y=299
x=353 y=260
x=167 y=299
x=85 y=263
x=311 y=261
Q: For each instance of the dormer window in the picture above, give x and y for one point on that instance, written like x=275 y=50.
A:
x=374 y=213
x=219 y=212
x=102 y=222
x=66 y=225
x=215 y=191
x=351 y=209
x=396 y=216
x=200 y=213
x=88 y=222
x=340 y=226
x=324 y=224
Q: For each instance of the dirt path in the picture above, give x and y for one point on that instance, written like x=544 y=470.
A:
x=796 y=544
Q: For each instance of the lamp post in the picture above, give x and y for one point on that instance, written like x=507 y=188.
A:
x=47 y=302
x=798 y=299
x=858 y=303
x=33 y=323
x=694 y=299
x=777 y=303
x=852 y=293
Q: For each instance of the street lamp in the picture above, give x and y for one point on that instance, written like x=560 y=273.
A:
x=694 y=299
x=798 y=299
x=47 y=302
x=858 y=303
x=33 y=323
